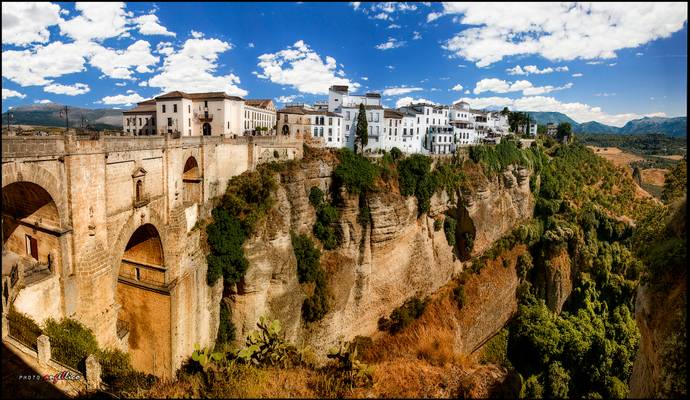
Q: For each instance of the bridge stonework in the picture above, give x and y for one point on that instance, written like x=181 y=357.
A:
x=114 y=219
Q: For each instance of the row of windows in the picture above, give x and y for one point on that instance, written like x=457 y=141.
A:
x=372 y=116
x=142 y=121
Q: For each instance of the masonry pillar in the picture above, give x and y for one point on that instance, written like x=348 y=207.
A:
x=93 y=373
x=43 y=350
x=5 y=326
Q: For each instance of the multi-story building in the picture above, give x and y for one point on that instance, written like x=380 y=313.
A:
x=442 y=139
x=427 y=116
x=533 y=129
x=327 y=126
x=551 y=129
x=259 y=113
x=461 y=119
x=392 y=129
x=341 y=102
x=411 y=142
x=293 y=120
x=141 y=120
x=498 y=123
x=196 y=114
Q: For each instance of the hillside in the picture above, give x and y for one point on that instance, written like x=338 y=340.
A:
x=49 y=115
x=676 y=126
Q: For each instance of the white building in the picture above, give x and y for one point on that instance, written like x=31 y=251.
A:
x=427 y=116
x=341 y=102
x=442 y=139
x=259 y=113
x=392 y=130
x=463 y=122
x=196 y=114
x=327 y=126
x=140 y=120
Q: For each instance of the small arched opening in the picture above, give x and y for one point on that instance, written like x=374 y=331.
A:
x=206 y=128
x=191 y=182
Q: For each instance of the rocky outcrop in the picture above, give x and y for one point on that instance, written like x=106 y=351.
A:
x=377 y=267
x=554 y=280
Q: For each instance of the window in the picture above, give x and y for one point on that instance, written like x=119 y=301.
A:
x=189 y=122
x=138 y=274
x=169 y=121
x=316 y=131
x=285 y=119
x=127 y=121
x=347 y=128
x=32 y=247
x=205 y=103
x=376 y=117
x=189 y=108
x=330 y=131
x=174 y=107
x=330 y=120
x=347 y=115
x=163 y=107
x=338 y=121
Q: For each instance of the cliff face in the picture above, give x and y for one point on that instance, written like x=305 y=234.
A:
x=377 y=267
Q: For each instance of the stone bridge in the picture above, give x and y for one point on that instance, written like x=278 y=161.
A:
x=104 y=231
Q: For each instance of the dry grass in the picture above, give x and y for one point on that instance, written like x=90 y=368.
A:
x=654 y=176
x=617 y=156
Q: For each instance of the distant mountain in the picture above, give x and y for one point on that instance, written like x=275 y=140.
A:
x=668 y=126
x=676 y=126
x=49 y=115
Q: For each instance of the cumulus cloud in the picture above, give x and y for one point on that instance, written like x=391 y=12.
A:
x=124 y=99
x=384 y=10
x=150 y=25
x=397 y=91
x=393 y=26
x=577 y=75
x=579 y=112
x=416 y=35
x=38 y=65
x=533 y=69
x=391 y=43
x=24 y=23
x=355 y=4
x=97 y=21
x=526 y=87
x=118 y=64
x=558 y=31
x=302 y=68
x=288 y=99
x=405 y=101
x=7 y=93
x=457 y=88
x=44 y=101
x=192 y=68
x=69 y=90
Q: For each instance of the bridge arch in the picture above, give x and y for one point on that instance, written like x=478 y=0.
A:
x=191 y=182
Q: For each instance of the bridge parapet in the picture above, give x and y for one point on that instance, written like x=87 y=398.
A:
x=32 y=146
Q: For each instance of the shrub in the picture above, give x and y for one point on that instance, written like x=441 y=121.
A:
x=226 y=329
x=459 y=295
x=347 y=368
x=415 y=178
x=118 y=374
x=275 y=154
x=495 y=351
x=316 y=196
x=402 y=316
x=438 y=224
x=70 y=342
x=524 y=265
x=449 y=226
x=354 y=172
x=309 y=270
x=325 y=228
x=396 y=154
x=23 y=328
x=532 y=388
x=265 y=346
x=225 y=238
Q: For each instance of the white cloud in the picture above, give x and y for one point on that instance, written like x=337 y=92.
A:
x=382 y=16
x=390 y=67
x=69 y=90
x=577 y=75
x=404 y=101
x=457 y=88
x=7 y=93
x=250 y=45
x=364 y=78
x=44 y=101
x=578 y=111
x=117 y=64
x=467 y=91
x=24 y=23
x=123 y=99
x=165 y=48
x=391 y=43
x=397 y=91
x=416 y=35
x=533 y=69
x=192 y=68
x=121 y=84
x=150 y=25
x=612 y=64
x=355 y=4
x=196 y=35
x=97 y=21
x=288 y=99
x=393 y=26
x=604 y=94
x=639 y=54
x=558 y=31
x=302 y=68
x=501 y=86
x=594 y=62
x=38 y=65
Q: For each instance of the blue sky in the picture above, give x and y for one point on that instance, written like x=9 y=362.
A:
x=604 y=62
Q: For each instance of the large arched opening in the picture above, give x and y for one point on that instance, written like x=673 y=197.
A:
x=191 y=182
x=31 y=230
x=144 y=319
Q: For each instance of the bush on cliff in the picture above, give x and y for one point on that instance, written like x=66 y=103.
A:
x=415 y=179
x=325 y=227
x=354 y=172
x=309 y=270
x=225 y=238
x=402 y=316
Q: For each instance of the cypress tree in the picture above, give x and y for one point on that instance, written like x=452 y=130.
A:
x=362 y=129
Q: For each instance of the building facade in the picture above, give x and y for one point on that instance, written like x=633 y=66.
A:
x=259 y=117
x=293 y=121
x=140 y=120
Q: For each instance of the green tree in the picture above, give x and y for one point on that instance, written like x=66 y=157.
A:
x=557 y=381
x=676 y=181
x=564 y=129
x=362 y=130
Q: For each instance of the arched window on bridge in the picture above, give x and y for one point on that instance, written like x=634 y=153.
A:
x=191 y=182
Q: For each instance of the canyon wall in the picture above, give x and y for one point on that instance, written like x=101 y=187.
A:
x=377 y=267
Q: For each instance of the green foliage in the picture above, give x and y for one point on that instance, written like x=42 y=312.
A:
x=205 y=357
x=675 y=184
x=495 y=351
x=354 y=172
x=524 y=265
x=459 y=295
x=449 y=227
x=564 y=130
x=396 y=153
x=23 y=328
x=673 y=359
x=225 y=238
x=643 y=144
x=438 y=224
x=415 y=178
x=361 y=130
x=348 y=369
x=226 y=329
x=532 y=388
x=557 y=381
x=265 y=346
x=119 y=376
x=402 y=316
x=70 y=342
x=309 y=271
x=316 y=196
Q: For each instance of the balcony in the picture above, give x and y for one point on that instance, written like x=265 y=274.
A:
x=205 y=117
